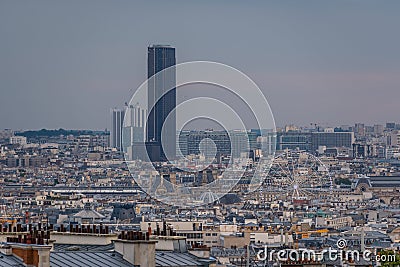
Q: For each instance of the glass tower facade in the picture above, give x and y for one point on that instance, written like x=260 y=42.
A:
x=161 y=124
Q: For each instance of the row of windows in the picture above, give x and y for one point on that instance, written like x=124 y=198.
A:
x=191 y=236
x=213 y=234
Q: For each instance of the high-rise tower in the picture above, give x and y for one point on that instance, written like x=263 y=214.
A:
x=161 y=139
x=117 y=119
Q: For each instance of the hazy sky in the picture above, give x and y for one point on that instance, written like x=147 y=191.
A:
x=66 y=63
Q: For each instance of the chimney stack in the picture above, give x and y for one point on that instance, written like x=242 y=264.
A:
x=136 y=248
x=32 y=255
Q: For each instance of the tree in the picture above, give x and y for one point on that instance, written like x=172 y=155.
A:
x=386 y=258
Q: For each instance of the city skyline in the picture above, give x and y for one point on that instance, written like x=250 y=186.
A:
x=74 y=70
x=308 y=126
x=199 y=133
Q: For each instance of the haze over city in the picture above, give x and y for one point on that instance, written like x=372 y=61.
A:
x=65 y=64
x=133 y=133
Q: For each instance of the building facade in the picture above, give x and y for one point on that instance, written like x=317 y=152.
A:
x=312 y=141
x=331 y=139
x=117 y=120
x=161 y=103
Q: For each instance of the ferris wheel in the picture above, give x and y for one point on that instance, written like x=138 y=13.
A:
x=209 y=197
x=298 y=175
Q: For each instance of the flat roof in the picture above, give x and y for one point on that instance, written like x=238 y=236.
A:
x=160 y=46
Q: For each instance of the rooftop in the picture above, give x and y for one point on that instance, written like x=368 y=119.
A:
x=87 y=259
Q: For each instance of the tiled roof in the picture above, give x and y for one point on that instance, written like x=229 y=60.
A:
x=91 y=214
x=10 y=260
x=87 y=259
x=83 y=248
x=102 y=256
x=176 y=259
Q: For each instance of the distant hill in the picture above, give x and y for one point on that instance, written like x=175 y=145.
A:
x=58 y=132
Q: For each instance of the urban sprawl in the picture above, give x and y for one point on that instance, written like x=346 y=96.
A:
x=68 y=196
x=292 y=196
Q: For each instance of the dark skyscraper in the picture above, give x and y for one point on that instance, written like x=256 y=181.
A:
x=162 y=97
